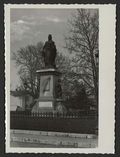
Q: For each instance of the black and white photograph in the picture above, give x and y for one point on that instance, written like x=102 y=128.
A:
x=55 y=89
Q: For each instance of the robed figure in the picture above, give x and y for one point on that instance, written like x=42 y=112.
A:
x=49 y=53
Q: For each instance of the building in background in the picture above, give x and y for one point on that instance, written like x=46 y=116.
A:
x=20 y=100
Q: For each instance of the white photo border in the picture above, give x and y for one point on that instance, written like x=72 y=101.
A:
x=107 y=37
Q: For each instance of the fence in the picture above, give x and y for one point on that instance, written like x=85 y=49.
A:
x=59 y=122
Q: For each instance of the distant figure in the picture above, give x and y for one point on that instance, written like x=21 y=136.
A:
x=49 y=53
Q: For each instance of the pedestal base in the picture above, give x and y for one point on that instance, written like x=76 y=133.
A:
x=48 y=80
x=49 y=92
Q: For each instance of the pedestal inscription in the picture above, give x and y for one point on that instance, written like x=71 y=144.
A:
x=47 y=104
x=46 y=86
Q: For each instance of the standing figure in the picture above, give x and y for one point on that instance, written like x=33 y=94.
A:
x=49 y=53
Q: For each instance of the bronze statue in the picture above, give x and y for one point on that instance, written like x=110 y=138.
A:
x=49 y=53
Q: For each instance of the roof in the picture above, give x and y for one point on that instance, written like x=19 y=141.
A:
x=18 y=93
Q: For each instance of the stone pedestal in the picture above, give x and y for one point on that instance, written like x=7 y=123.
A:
x=48 y=95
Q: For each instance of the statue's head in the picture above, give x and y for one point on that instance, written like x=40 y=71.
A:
x=49 y=37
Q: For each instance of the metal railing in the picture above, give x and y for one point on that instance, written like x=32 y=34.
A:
x=62 y=122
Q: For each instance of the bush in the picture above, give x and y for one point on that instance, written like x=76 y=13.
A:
x=80 y=101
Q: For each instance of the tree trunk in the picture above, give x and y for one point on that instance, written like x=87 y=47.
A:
x=94 y=76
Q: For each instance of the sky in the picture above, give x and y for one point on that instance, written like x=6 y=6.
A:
x=30 y=26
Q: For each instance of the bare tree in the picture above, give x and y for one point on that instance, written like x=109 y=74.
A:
x=29 y=60
x=83 y=42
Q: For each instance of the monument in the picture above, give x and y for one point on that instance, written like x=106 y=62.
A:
x=50 y=85
x=49 y=53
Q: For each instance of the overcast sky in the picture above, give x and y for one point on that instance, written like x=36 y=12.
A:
x=29 y=26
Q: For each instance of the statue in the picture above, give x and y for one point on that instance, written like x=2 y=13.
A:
x=49 y=53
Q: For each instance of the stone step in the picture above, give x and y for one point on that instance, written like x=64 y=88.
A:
x=58 y=134
x=57 y=141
